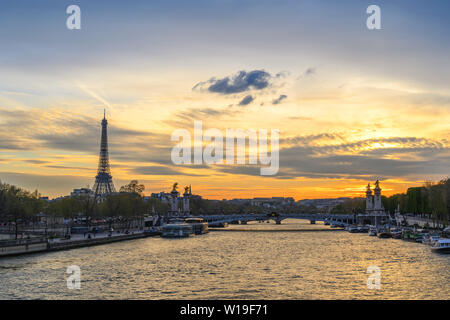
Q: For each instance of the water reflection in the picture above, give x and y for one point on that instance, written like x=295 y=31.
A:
x=235 y=265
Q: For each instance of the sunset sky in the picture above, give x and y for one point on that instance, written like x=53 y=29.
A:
x=352 y=105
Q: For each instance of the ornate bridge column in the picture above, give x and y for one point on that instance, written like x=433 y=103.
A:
x=369 y=203
x=186 y=196
x=174 y=194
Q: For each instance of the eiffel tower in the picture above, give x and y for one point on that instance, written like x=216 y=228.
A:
x=103 y=181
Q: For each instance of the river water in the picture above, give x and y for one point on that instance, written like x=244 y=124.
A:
x=235 y=265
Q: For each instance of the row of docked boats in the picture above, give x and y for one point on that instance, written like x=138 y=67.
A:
x=357 y=229
x=438 y=243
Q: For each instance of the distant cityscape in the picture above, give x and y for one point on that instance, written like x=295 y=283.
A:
x=268 y=203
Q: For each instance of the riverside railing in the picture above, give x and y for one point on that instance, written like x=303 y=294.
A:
x=14 y=242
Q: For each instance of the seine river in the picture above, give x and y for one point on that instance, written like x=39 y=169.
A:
x=235 y=265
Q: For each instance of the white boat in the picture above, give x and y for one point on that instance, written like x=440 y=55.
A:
x=198 y=224
x=430 y=239
x=177 y=230
x=441 y=245
x=361 y=229
x=373 y=231
x=384 y=232
x=365 y=228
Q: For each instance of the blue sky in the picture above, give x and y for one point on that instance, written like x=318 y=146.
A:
x=34 y=35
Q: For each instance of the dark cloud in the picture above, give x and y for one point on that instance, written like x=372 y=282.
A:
x=204 y=112
x=286 y=173
x=365 y=165
x=279 y=99
x=310 y=139
x=32 y=161
x=68 y=167
x=301 y=162
x=14 y=144
x=84 y=142
x=337 y=143
x=87 y=138
x=252 y=170
x=423 y=157
x=33 y=130
x=406 y=145
x=300 y=118
x=160 y=170
x=155 y=170
x=241 y=82
x=246 y=100
x=310 y=71
x=55 y=184
x=186 y=118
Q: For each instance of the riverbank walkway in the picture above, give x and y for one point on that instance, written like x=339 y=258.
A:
x=34 y=245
